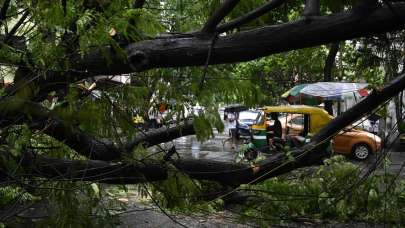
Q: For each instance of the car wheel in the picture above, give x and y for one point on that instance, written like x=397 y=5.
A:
x=361 y=151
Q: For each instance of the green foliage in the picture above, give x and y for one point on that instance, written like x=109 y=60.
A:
x=333 y=192
x=205 y=122
x=277 y=73
x=139 y=153
x=9 y=54
x=57 y=39
x=13 y=193
x=179 y=193
x=336 y=6
x=79 y=206
x=18 y=139
x=401 y=127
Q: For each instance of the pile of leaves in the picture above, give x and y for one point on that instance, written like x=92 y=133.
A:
x=335 y=192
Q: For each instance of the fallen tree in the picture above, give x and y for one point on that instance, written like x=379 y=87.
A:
x=106 y=163
x=227 y=173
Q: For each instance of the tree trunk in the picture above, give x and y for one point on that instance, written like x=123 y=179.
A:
x=327 y=72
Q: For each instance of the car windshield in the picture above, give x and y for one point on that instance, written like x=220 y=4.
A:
x=260 y=118
x=248 y=115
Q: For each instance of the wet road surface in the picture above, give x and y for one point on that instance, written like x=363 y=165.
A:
x=220 y=148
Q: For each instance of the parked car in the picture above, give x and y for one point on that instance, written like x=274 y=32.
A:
x=302 y=120
x=351 y=140
x=357 y=142
x=244 y=122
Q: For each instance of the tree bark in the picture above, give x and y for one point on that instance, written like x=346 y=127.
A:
x=138 y=4
x=327 y=72
x=249 y=16
x=91 y=170
x=3 y=11
x=17 y=25
x=219 y=15
x=312 y=8
x=104 y=149
x=227 y=173
x=163 y=134
x=244 y=46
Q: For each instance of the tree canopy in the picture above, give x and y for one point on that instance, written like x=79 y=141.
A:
x=66 y=123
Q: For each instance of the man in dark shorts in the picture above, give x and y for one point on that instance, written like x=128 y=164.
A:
x=275 y=130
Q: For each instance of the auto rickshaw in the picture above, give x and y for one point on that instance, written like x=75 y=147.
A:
x=298 y=123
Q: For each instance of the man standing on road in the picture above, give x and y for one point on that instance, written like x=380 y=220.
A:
x=275 y=130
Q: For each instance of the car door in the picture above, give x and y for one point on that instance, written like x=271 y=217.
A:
x=342 y=142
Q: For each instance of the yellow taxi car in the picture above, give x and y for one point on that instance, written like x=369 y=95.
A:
x=299 y=121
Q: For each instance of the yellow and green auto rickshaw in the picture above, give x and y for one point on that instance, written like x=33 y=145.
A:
x=297 y=122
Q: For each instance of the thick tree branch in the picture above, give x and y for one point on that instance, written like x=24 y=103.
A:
x=227 y=173
x=218 y=15
x=163 y=134
x=3 y=11
x=16 y=26
x=249 y=16
x=91 y=170
x=330 y=61
x=83 y=143
x=312 y=8
x=104 y=149
x=16 y=42
x=327 y=71
x=365 y=6
x=14 y=111
x=244 y=46
x=138 y=4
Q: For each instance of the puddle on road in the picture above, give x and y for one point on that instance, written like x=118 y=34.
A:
x=219 y=148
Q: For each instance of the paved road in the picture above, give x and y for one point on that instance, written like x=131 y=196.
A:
x=154 y=218
x=220 y=148
x=397 y=157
